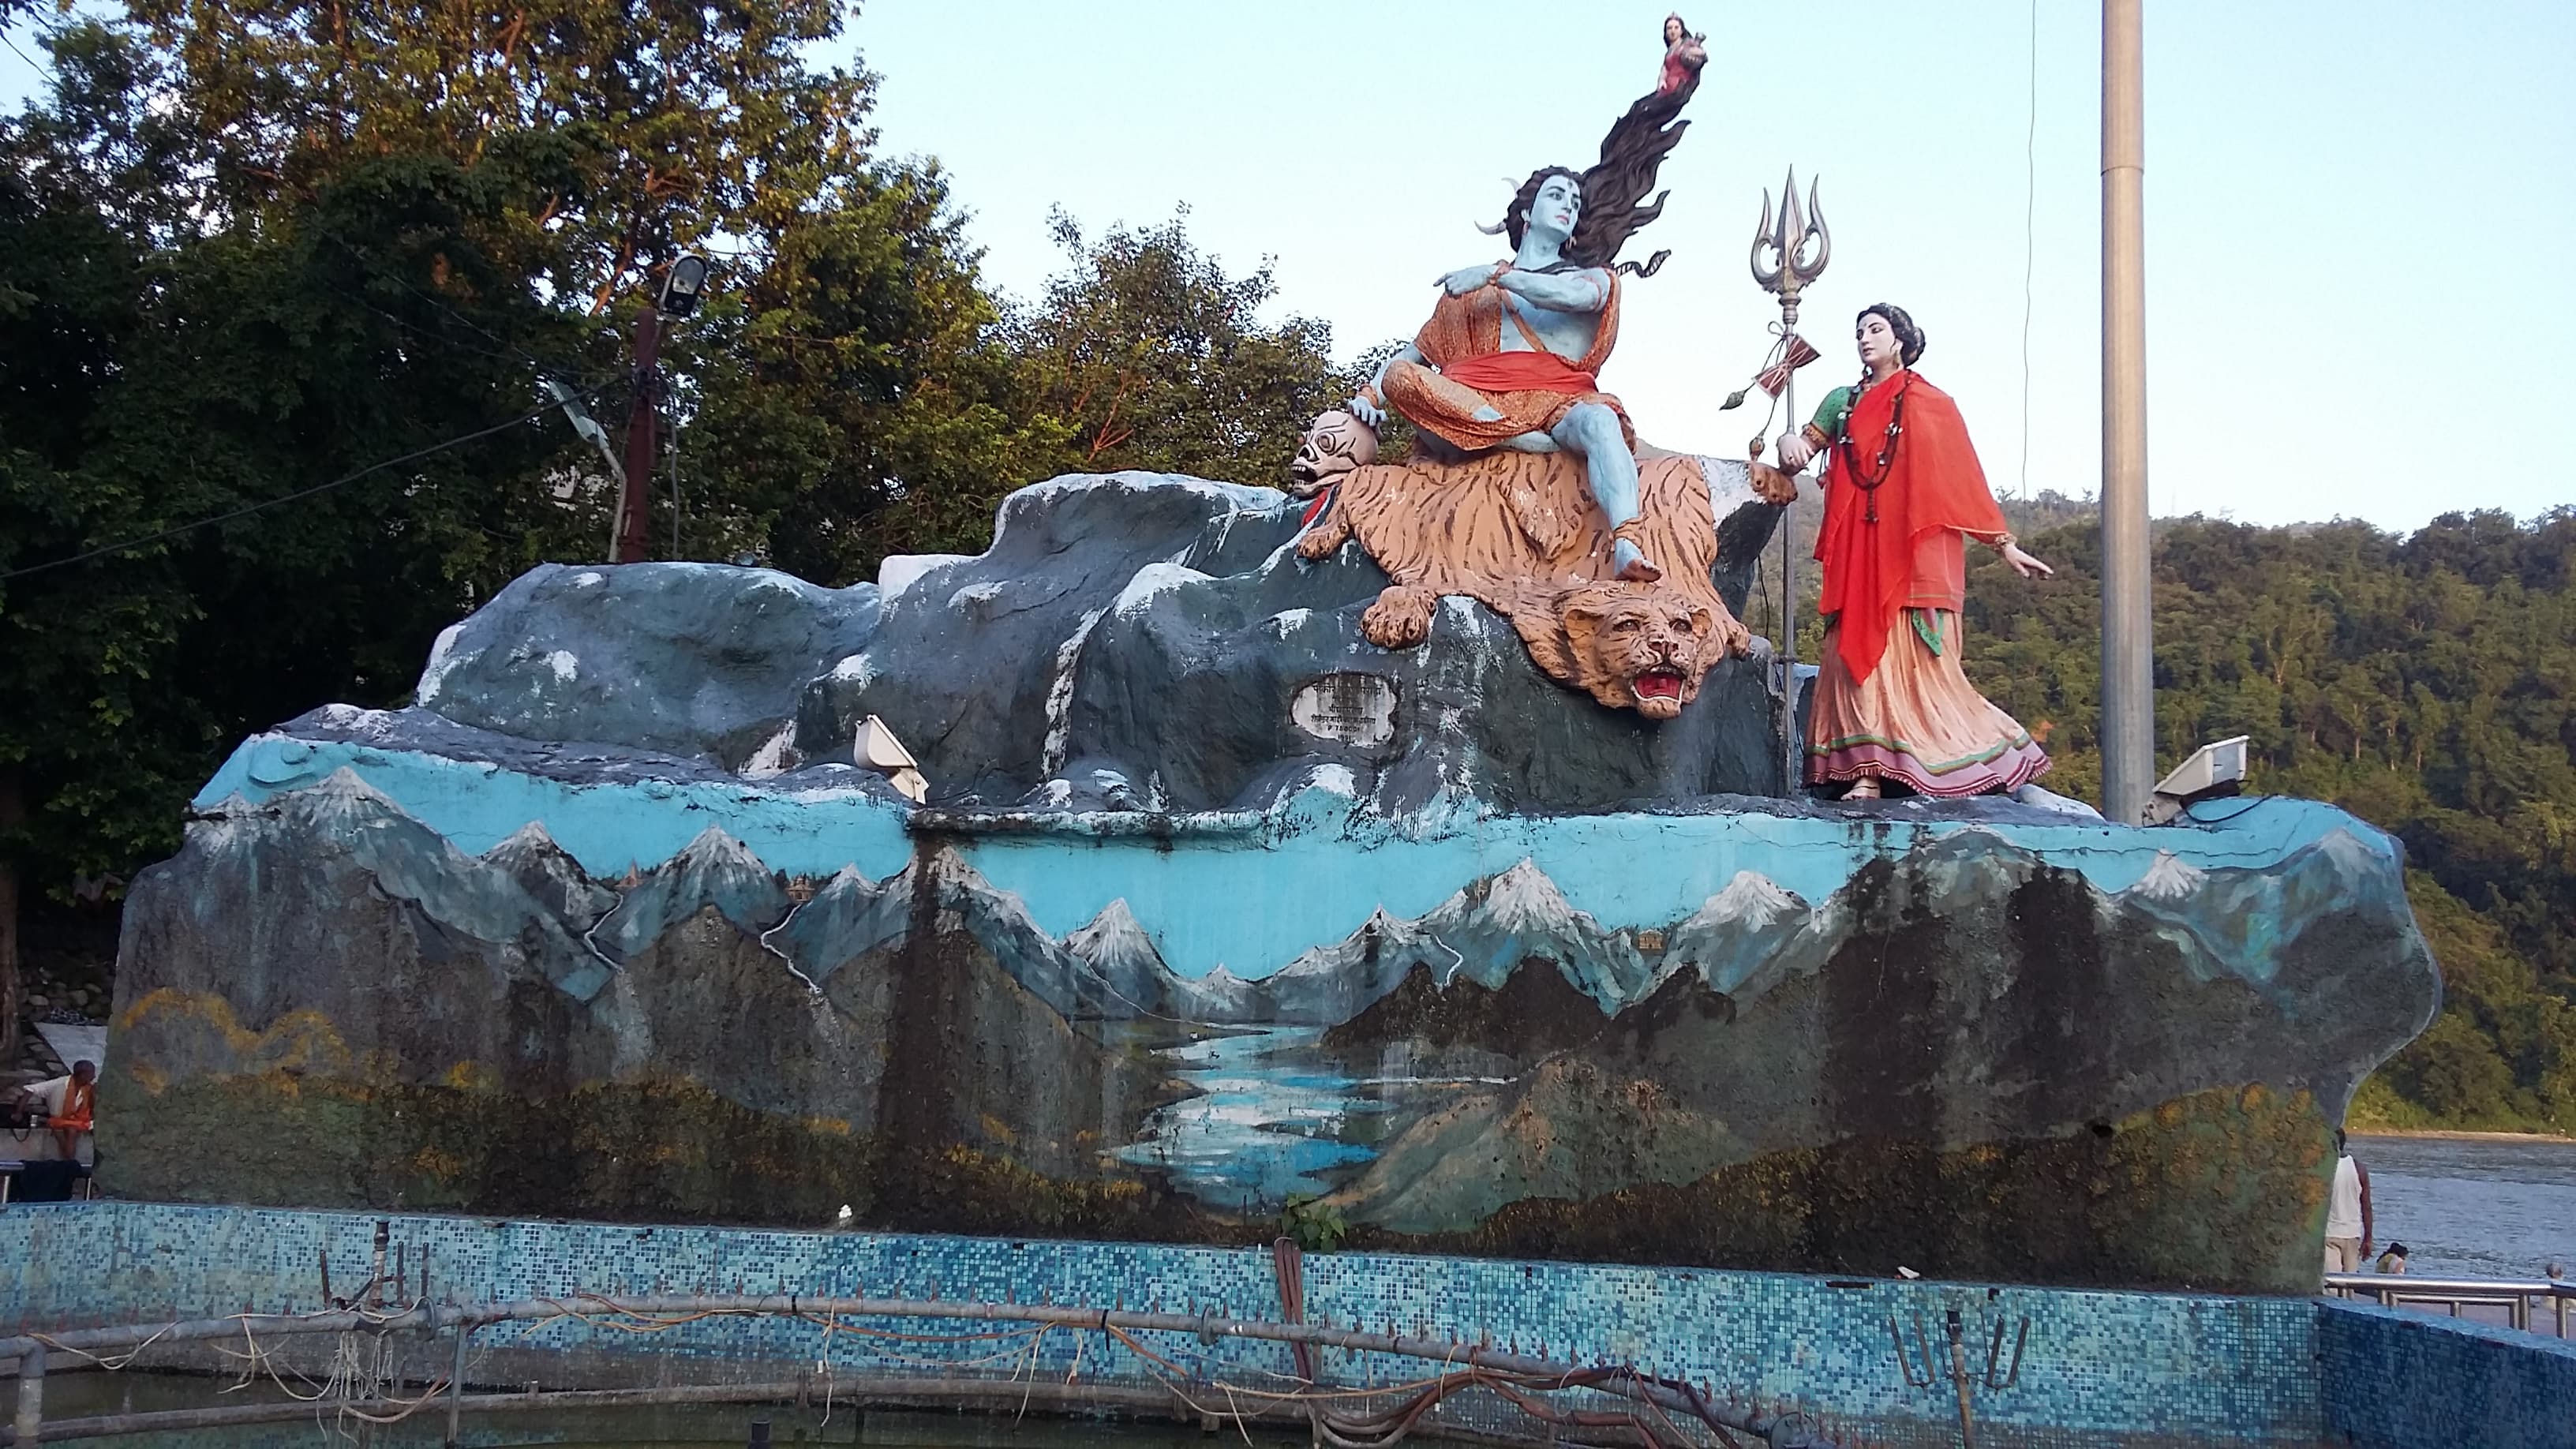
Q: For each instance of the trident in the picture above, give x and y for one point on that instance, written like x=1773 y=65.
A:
x=1799 y=244
x=1790 y=270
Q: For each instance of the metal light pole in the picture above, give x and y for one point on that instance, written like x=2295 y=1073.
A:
x=682 y=286
x=1790 y=271
x=2128 y=638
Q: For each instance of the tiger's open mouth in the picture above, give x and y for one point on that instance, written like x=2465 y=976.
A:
x=1659 y=683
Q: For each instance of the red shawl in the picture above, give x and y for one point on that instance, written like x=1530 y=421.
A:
x=1932 y=483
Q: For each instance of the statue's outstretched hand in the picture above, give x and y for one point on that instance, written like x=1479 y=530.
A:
x=1466 y=279
x=1795 y=450
x=1364 y=410
x=2023 y=564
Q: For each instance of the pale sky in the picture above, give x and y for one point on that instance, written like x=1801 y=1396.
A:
x=2359 y=214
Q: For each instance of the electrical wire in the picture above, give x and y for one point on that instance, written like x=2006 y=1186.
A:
x=440 y=338
x=434 y=300
x=301 y=493
x=2029 y=236
x=22 y=55
x=2237 y=814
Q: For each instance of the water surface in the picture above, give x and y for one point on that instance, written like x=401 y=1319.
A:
x=2474 y=1208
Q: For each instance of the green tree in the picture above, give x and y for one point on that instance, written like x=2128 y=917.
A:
x=855 y=392
x=2427 y=684
x=1153 y=357
x=237 y=262
x=635 y=129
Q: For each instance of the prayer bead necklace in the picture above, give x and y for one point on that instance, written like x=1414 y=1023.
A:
x=1869 y=484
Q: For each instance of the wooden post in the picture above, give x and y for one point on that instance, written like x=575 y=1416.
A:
x=636 y=497
x=456 y=1382
x=31 y=1398
x=2128 y=625
x=13 y=813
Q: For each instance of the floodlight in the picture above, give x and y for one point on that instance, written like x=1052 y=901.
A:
x=2214 y=771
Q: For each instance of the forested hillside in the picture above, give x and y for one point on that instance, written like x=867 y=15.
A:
x=2426 y=683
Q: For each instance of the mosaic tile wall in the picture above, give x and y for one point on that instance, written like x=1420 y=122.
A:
x=2395 y=1378
x=2177 y=1368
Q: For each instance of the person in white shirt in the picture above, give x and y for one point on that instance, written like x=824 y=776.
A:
x=2348 y=1222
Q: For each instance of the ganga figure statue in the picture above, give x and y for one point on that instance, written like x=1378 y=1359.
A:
x=1684 y=56
x=1511 y=354
x=1903 y=492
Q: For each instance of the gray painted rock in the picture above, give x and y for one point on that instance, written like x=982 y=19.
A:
x=1148 y=641
x=695 y=660
x=1130 y=641
x=337 y=1007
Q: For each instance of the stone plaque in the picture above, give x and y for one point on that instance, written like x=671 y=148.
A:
x=1357 y=709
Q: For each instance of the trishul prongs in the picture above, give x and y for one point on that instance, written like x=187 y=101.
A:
x=1799 y=244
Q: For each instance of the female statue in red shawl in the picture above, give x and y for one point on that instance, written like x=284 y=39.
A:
x=1903 y=494
x=1684 y=55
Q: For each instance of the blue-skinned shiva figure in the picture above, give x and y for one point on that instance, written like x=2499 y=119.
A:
x=1511 y=355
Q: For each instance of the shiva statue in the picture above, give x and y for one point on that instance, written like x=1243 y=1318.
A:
x=1510 y=357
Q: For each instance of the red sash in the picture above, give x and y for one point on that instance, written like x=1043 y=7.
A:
x=1521 y=372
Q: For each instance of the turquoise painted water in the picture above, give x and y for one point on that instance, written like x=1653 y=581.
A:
x=1276 y=1116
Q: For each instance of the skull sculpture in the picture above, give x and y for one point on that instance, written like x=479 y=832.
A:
x=1335 y=443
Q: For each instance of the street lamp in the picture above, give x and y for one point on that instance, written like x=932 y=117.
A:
x=684 y=284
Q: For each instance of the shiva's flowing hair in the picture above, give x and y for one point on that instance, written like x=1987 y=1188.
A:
x=1614 y=189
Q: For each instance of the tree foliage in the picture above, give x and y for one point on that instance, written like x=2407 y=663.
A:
x=1155 y=358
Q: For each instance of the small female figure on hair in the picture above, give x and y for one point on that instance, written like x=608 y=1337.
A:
x=1903 y=494
x=1684 y=54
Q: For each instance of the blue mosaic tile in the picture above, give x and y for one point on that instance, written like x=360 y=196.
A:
x=2172 y=1366
x=2395 y=1378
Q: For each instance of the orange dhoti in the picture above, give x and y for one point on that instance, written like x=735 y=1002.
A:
x=1469 y=372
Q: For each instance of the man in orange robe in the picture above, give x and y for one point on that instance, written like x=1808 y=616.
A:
x=1509 y=360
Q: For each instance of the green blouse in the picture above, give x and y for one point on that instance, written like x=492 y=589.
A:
x=1833 y=413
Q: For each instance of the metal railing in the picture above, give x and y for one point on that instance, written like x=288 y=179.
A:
x=2516 y=1296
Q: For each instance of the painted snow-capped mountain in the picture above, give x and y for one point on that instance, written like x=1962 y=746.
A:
x=713 y=871
x=847 y=918
x=1498 y=925
x=1485 y=932
x=2168 y=878
x=2242 y=917
x=1736 y=932
x=1329 y=984
x=487 y=898
x=1116 y=947
x=549 y=874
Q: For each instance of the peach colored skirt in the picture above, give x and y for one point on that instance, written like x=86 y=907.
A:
x=1916 y=720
